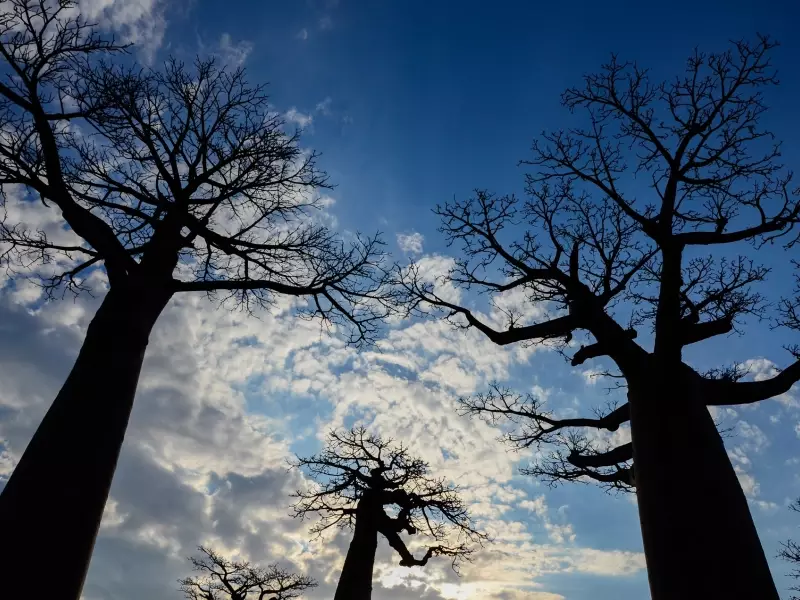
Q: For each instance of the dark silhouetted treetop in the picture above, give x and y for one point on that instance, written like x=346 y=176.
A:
x=197 y=154
x=223 y=579
x=629 y=243
x=205 y=146
x=357 y=470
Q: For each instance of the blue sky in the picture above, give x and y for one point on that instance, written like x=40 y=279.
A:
x=410 y=103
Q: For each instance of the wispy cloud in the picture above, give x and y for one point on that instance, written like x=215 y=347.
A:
x=302 y=120
x=324 y=106
x=233 y=53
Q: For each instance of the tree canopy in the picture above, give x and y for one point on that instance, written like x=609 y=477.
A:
x=222 y=579
x=355 y=465
x=627 y=240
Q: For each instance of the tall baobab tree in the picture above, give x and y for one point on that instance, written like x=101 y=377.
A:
x=176 y=180
x=621 y=262
x=224 y=579
x=374 y=486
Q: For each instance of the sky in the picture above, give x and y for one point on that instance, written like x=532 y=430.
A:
x=410 y=104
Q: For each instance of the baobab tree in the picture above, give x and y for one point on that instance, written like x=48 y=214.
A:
x=628 y=241
x=373 y=486
x=224 y=579
x=181 y=179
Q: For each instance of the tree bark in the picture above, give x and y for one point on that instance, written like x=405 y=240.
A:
x=51 y=507
x=355 y=581
x=699 y=537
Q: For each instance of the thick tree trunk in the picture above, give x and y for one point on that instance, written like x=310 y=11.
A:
x=699 y=538
x=51 y=507
x=355 y=582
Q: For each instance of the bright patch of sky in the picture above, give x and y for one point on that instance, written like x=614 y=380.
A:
x=411 y=103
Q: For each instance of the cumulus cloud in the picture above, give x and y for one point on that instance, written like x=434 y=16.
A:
x=410 y=243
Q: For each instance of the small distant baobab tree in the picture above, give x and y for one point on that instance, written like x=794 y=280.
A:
x=629 y=235
x=223 y=579
x=178 y=179
x=374 y=486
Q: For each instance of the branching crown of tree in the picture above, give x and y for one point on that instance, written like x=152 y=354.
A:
x=628 y=233
x=182 y=178
x=361 y=474
x=223 y=579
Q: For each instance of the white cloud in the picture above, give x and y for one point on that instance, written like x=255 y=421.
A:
x=749 y=484
x=31 y=215
x=433 y=269
x=300 y=119
x=302 y=34
x=749 y=441
x=139 y=22
x=762 y=368
x=233 y=53
x=755 y=439
x=590 y=376
x=513 y=305
x=324 y=106
x=765 y=506
x=26 y=292
x=410 y=243
x=557 y=533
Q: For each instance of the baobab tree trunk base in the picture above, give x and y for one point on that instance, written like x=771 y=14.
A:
x=355 y=581
x=699 y=537
x=51 y=507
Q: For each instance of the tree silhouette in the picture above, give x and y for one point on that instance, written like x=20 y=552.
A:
x=790 y=552
x=223 y=579
x=374 y=486
x=175 y=180
x=629 y=232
